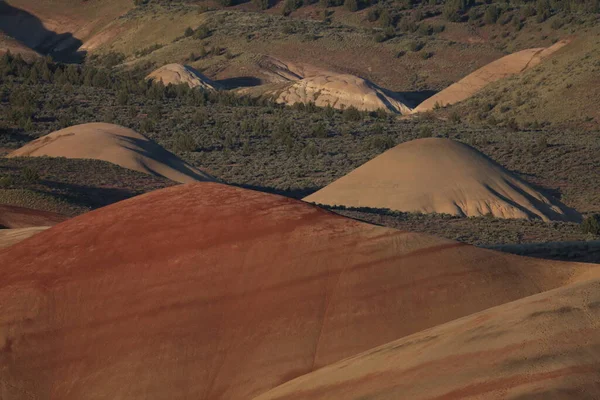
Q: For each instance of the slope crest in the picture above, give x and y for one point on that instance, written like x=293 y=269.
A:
x=441 y=176
x=115 y=144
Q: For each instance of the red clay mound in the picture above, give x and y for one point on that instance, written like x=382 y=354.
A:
x=539 y=348
x=207 y=291
x=20 y=217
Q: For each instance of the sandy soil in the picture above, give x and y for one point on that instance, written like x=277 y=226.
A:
x=115 y=144
x=441 y=176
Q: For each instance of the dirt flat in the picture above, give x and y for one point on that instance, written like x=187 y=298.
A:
x=177 y=74
x=209 y=291
x=512 y=64
x=542 y=347
x=441 y=176
x=115 y=144
x=21 y=217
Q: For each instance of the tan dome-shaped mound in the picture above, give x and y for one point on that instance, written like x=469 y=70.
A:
x=506 y=66
x=542 y=347
x=115 y=144
x=21 y=217
x=440 y=176
x=341 y=91
x=207 y=291
x=177 y=74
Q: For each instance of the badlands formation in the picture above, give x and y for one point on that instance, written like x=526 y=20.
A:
x=541 y=347
x=208 y=291
x=512 y=64
x=301 y=83
x=440 y=176
x=177 y=74
x=342 y=91
x=115 y=144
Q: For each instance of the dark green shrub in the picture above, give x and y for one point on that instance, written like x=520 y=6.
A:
x=202 y=32
x=352 y=114
x=591 y=224
x=30 y=175
x=184 y=142
x=491 y=15
x=351 y=5
x=416 y=46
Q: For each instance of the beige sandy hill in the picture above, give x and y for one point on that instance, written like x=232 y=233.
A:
x=342 y=91
x=539 y=348
x=207 y=291
x=115 y=144
x=302 y=83
x=506 y=66
x=9 y=237
x=440 y=176
x=177 y=74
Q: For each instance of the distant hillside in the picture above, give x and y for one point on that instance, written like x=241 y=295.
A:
x=565 y=91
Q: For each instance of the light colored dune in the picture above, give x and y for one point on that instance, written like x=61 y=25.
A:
x=8 y=237
x=177 y=74
x=342 y=91
x=21 y=217
x=542 y=347
x=506 y=66
x=115 y=144
x=302 y=83
x=207 y=291
x=440 y=176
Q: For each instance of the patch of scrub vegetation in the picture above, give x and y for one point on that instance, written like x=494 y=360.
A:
x=289 y=150
x=70 y=186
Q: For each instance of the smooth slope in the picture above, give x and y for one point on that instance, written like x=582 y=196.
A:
x=440 y=176
x=8 y=237
x=115 y=144
x=542 y=347
x=208 y=291
x=21 y=217
x=178 y=74
x=512 y=64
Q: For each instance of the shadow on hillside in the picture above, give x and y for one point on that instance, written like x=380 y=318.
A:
x=293 y=193
x=239 y=82
x=416 y=98
x=29 y=30
x=86 y=196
